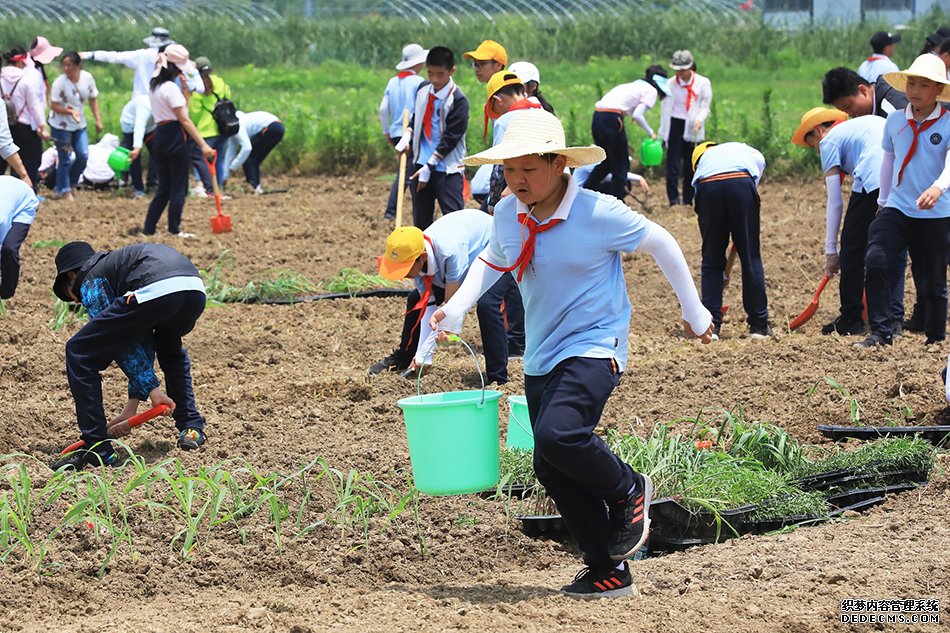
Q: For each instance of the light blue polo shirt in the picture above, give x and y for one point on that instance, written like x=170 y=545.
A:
x=924 y=168
x=402 y=96
x=854 y=147
x=575 y=296
x=18 y=204
x=457 y=239
x=729 y=157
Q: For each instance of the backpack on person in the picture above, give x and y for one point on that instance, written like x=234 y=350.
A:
x=225 y=115
x=12 y=114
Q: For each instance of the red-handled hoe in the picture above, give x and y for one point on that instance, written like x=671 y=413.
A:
x=812 y=308
x=124 y=426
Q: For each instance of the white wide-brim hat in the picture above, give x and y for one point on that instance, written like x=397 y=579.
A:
x=412 y=55
x=927 y=66
x=536 y=131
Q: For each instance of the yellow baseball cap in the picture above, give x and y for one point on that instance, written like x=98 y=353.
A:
x=700 y=150
x=489 y=49
x=498 y=81
x=403 y=246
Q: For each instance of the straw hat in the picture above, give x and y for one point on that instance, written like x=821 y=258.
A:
x=927 y=66
x=536 y=131
x=812 y=119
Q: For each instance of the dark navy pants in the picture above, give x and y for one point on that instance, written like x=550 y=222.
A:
x=261 y=145
x=491 y=322
x=925 y=240
x=573 y=464
x=31 y=152
x=679 y=160
x=409 y=341
x=135 y=169
x=607 y=129
x=171 y=153
x=446 y=188
x=10 y=258
x=862 y=207
x=158 y=324
x=731 y=208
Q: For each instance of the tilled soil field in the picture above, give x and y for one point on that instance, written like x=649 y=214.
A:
x=282 y=385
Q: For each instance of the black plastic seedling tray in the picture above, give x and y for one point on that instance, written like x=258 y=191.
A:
x=860 y=495
x=849 y=478
x=543 y=526
x=934 y=434
x=669 y=517
x=376 y=292
x=515 y=491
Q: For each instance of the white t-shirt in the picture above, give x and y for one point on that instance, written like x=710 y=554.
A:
x=164 y=100
x=72 y=95
x=626 y=97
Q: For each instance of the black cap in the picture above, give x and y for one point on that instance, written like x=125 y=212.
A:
x=881 y=39
x=939 y=36
x=70 y=257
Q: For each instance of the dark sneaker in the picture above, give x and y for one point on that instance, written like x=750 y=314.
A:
x=845 y=327
x=931 y=340
x=914 y=324
x=873 y=340
x=601 y=583
x=389 y=215
x=897 y=329
x=515 y=351
x=630 y=520
x=191 y=439
x=77 y=460
x=760 y=332
x=393 y=362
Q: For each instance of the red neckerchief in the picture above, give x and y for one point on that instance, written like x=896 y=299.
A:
x=690 y=93
x=874 y=58
x=427 y=116
x=527 y=249
x=405 y=73
x=427 y=293
x=913 y=144
x=524 y=104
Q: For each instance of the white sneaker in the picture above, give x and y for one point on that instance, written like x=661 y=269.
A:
x=185 y=236
x=199 y=192
x=259 y=190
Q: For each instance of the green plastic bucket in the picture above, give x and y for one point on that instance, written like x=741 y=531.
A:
x=520 y=434
x=651 y=153
x=453 y=441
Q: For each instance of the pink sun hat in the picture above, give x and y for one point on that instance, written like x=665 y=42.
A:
x=44 y=52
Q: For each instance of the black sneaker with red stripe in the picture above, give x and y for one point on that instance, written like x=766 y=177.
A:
x=630 y=520
x=601 y=583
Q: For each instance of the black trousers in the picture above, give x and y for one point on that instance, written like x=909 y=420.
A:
x=446 y=188
x=491 y=323
x=679 y=157
x=31 y=151
x=890 y=233
x=409 y=341
x=731 y=208
x=171 y=153
x=160 y=325
x=609 y=133
x=10 y=258
x=573 y=464
x=261 y=145
x=135 y=169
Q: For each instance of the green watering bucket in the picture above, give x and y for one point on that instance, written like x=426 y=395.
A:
x=651 y=153
x=520 y=434
x=119 y=160
x=453 y=439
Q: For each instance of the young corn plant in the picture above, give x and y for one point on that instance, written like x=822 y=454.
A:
x=854 y=407
x=65 y=314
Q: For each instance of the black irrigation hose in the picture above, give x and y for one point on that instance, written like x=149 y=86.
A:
x=376 y=292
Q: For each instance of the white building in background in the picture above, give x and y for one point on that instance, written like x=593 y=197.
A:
x=793 y=13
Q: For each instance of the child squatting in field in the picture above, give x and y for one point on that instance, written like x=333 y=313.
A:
x=564 y=245
x=142 y=299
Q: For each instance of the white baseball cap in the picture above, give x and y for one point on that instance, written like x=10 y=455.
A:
x=526 y=72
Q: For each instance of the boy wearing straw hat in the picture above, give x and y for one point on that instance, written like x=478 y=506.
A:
x=726 y=177
x=399 y=95
x=437 y=260
x=915 y=215
x=849 y=147
x=565 y=245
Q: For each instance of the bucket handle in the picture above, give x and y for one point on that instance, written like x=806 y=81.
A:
x=511 y=411
x=431 y=352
